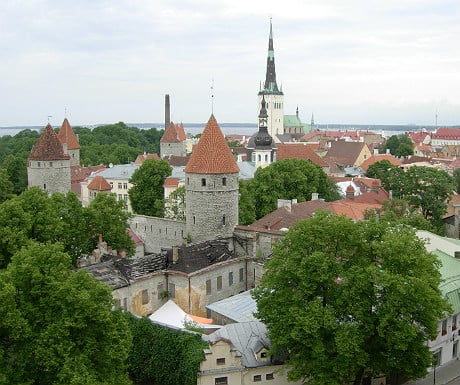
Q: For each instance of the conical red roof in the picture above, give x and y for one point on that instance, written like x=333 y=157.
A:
x=99 y=183
x=48 y=147
x=212 y=155
x=171 y=134
x=66 y=135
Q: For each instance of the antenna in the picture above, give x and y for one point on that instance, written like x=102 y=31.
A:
x=212 y=96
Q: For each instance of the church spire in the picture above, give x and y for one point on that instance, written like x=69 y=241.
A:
x=270 y=86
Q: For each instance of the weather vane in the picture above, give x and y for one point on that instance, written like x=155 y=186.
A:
x=212 y=96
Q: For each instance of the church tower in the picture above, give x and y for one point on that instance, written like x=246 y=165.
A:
x=48 y=166
x=264 y=147
x=211 y=187
x=274 y=97
x=69 y=142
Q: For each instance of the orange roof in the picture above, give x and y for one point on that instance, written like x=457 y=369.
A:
x=353 y=210
x=48 y=147
x=171 y=182
x=377 y=158
x=201 y=320
x=211 y=155
x=99 y=183
x=173 y=134
x=143 y=157
x=67 y=136
x=298 y=151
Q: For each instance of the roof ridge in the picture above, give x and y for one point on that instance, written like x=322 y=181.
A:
x=48 y=146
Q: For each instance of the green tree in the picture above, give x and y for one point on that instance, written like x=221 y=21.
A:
x=289 y=179
x=164 y=356
x=246 y=204
x=457 y=180
x=147 y=194
x=57 y=325
x=175 y=204
x=347 y=300
x=16 y=166
x=6 y=186
x=107 y=217
x=399 y=145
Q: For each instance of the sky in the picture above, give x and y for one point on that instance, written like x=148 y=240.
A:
x=344 y=61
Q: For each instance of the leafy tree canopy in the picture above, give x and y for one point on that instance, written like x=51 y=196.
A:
x=175 y=204
x=347 y=300
x=163 y=356
x=289 y=179
x=56 y=325
x=399 y=145
x=146 y=194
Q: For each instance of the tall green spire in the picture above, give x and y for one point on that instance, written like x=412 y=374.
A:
x=270 y=86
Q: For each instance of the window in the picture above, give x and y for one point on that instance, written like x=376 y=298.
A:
x=444 y=327
x=203 y=182
x=51 y=164
x=224 y=220
x=263 y=355
x=44 y=186
x=454 y=322
x=208 y=287
x=119 y=185
x=160 y=291
x=257 y=378
x=125 y=197
x=241 y=274
x=224 y=181
x=220 y=381
x=120 y=197
x=125 y=186
x=194 y=220
x=111 y=184
x=269 y=376
x=437 y=358
x=220 y=361
x=145 y=297
x=219 y=283
x=172 y=290
x=230 y=278
x=38 y=164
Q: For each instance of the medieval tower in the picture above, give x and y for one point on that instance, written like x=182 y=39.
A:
x=274 y=97
x=211 y=185
x=69 y=142
x=48 y=166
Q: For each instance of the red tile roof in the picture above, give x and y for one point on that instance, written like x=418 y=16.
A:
x=99 y=183
x=171 y=182
x=48 y=147
x=377 y=158
x=143 y=157
x=173 y=134
x=211 y=155
x=447 y=133
x=67 y=136
x=298 y=151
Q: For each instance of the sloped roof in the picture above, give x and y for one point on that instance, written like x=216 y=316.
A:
x=298 y=151
x=48 y=147
x=248 y=338
x=67 y=136
x=173 y=134
x=212 y=155
x=378 y=158
x=99 y=184
x=446 y=133
x=239 y=308
x=171 y=182
x=345 y=153
x=292 y=121
x=143 y=157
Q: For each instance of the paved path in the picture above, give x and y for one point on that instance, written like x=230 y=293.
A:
x=448 y=374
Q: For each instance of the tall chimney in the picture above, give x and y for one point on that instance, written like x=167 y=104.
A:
x=167 y=112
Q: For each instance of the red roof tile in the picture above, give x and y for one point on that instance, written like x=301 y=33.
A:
x=99 y=183
x=211 y=155
x=171 y=182
x=377 y=158
x=173 y=134
x=48 y=147
x=298 y=151
x=143 y=157
x=67 y=136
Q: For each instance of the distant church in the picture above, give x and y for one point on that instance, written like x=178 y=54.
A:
x=278 y=123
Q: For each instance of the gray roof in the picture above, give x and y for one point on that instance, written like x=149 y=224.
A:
x=247 y=170
x=119 y=171
x=239 y=308
x=248 y=338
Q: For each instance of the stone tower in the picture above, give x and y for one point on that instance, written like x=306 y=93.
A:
x=211 y=187
x=263 y=153
x=69 y=143
x=173 y=141
x=48 y=166
x=274 y=97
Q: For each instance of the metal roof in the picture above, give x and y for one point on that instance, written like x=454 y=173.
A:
x=239 y=308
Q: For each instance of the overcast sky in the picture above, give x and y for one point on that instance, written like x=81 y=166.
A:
x=345 y=61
